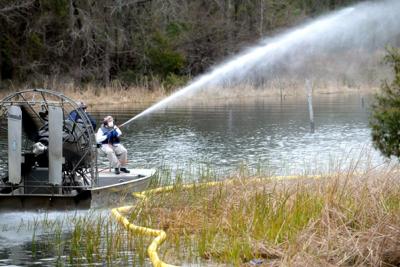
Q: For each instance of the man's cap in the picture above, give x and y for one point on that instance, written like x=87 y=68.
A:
x=82 y=104
x=108 y=118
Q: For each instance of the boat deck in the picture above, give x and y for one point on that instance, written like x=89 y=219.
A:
x=108 y=179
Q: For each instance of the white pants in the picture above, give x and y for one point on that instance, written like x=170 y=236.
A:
x=116 y=154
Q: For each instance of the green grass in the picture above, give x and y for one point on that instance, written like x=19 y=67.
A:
x=87 y=239
x=342 y=219
x=279 y=221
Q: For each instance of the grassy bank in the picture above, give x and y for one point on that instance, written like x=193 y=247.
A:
x=93 y=94
x=341 y=220
x=345 y=219
x=119 y=94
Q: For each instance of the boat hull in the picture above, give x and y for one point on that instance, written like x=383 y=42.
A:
x=45 y=202
x=109 y=194
x=110 y=190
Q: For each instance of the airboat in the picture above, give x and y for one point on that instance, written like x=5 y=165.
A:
x=50 y=161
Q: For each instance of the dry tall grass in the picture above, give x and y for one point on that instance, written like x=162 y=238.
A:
x=116 y=93
x=93 y=94
x=345 y=219
x=279 y=90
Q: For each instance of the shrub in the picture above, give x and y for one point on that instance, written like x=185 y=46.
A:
x=164 y=60
x=385 y=119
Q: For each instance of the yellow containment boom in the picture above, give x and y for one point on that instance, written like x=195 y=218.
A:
x=160 y=235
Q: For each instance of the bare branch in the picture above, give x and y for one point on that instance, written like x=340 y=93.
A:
x=15 y=6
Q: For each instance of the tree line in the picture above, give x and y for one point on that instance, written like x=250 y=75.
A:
x=136 y=41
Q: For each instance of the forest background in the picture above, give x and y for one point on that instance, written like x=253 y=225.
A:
x=144 y=43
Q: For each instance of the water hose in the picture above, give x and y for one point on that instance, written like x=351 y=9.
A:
x=159 y=235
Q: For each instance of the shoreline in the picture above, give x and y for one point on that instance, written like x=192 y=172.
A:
x=344 y=218
x=117 y=95
x=280 y=222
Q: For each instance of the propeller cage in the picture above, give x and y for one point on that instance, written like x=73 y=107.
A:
x=47 y=151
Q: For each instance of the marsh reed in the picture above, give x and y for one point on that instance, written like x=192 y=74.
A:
x=348 y=218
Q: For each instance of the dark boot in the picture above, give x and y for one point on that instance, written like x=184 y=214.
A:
x=125 y=170
x=117 y=171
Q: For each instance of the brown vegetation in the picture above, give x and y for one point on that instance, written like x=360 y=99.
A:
x=116 y=93
x=346 y=219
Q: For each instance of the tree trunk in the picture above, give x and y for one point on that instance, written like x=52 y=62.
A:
x=1 y=67
x=228 y=26
x=106 y=59
x=71 y=32
x=261 y=29
x=106 y=64
x=76 y=42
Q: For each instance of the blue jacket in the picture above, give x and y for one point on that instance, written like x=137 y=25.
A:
x=111 y=138
x=74 y=116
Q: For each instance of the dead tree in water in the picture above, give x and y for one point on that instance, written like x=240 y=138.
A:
x=309 y=89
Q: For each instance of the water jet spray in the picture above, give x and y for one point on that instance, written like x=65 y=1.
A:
x=367 y=26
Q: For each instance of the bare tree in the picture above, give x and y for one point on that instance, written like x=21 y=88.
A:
x=11 y=10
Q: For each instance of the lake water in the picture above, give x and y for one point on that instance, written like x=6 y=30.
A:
x=255 y=132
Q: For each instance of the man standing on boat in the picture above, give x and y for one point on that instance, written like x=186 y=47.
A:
x=108 y=136
x=74 y=115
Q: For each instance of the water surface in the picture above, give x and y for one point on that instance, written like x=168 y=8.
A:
x=265 y=131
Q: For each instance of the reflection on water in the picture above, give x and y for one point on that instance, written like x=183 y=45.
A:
x=52 y=239
x=266 y=132
x=21 y=232
x=222 y=136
